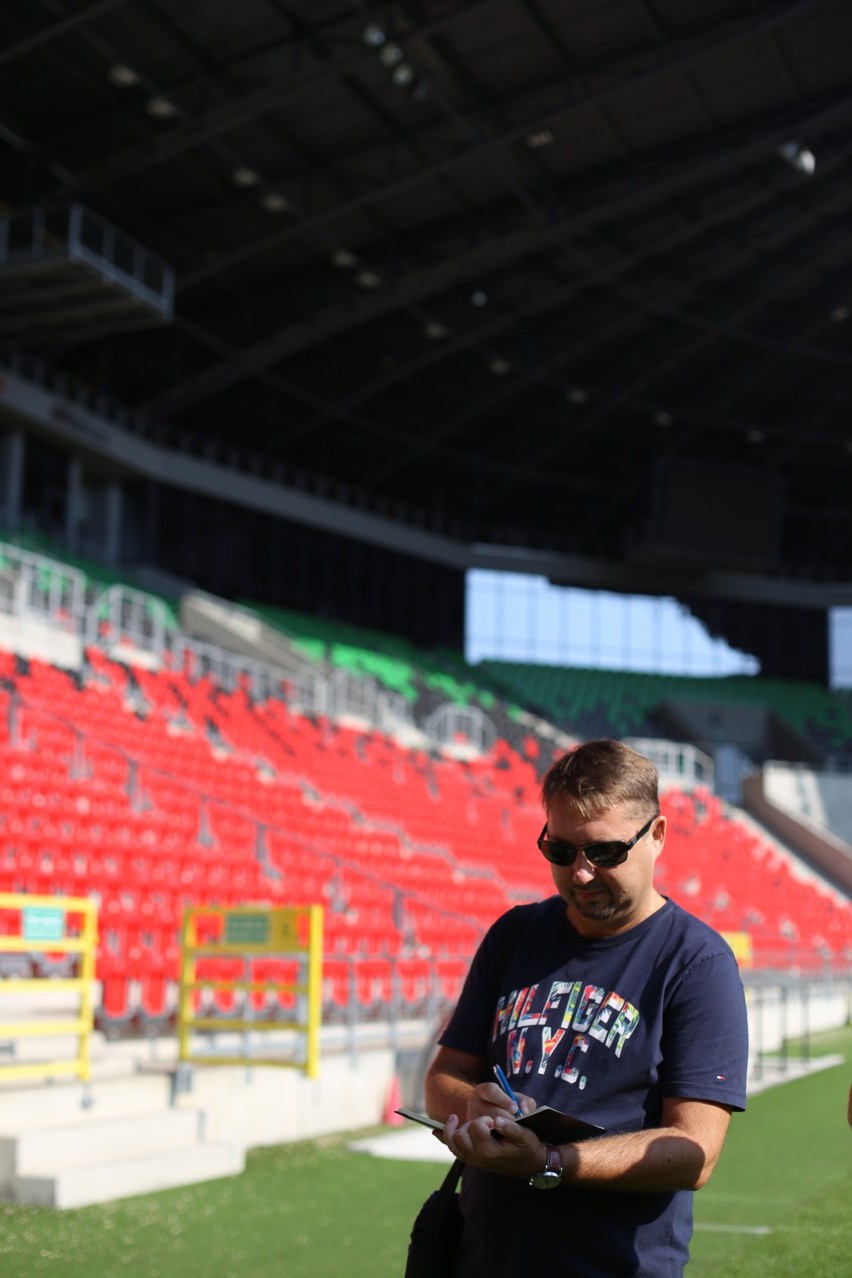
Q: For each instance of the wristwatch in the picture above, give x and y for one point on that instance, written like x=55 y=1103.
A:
x=551 y=1174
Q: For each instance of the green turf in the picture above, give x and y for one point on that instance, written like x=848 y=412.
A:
x=299 y=1211
x=786 y=1168
x=316 y=1210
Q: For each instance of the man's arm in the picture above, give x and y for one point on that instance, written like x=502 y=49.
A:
x=679 y=1154
x=454 y=1085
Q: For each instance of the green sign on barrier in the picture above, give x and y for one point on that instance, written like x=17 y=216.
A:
x=43 y=923
x=247 y=929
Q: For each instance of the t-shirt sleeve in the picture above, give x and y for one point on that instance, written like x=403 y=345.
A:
x=705 y=1041
x=469 y=1027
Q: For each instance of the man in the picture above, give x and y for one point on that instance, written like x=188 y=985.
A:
x=608 y=1002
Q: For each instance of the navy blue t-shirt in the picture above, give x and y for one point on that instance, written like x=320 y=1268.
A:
x=603 y=1029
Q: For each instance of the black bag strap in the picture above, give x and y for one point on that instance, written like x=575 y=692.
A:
x=450 y=1182
x=517 y=929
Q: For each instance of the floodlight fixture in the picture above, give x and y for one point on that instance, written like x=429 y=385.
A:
x=343 y=259
x=122 y=76
x=274 y=202
x=402 y=75
x=373 y=35
x=161 y=108
x=390 y=55
x=539 y=139
x=798 y=157
x=245 y=177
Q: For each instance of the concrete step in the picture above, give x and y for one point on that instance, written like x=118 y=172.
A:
x=91 y=1139
x=25 y=1106
x=121 y=1178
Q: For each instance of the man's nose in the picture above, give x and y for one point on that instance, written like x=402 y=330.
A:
x=582 y=870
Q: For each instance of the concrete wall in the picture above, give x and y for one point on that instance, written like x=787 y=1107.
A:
x=782 y=1011
x=825 y=852
x=825 y=798
x=38 y=639
x=270 y=1106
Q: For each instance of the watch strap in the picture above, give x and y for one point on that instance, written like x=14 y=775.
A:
x=551 y=1174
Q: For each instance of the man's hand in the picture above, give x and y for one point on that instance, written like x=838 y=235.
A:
x=495 y=1144
x=488 y=1100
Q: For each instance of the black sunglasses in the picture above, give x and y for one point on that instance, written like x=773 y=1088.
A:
x=606 y=854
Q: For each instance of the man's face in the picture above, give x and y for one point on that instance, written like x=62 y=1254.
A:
x=603 y=902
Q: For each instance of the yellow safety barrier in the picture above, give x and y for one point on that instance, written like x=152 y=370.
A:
x=38 y=927
x=254 y=956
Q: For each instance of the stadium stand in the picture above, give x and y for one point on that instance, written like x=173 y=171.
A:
x=616 y=703
x=428 y=682
x=156 y=788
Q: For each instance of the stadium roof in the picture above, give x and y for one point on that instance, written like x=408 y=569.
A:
x=569 y=275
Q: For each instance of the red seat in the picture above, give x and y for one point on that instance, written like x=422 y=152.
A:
x=336 y=988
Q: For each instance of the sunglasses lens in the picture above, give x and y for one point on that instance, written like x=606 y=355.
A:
x=557 y=853
x=607 y=854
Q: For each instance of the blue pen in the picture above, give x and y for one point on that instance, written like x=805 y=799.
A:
x=504 y=1083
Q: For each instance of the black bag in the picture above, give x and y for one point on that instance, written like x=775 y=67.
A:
x=437 y=1231
x=438 y=1228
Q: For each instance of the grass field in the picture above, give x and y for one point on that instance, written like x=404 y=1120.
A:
x=778 y=1206
x=786 y=1169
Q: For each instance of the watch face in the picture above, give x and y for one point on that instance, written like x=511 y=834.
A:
x=546 y=1179
x=551 y=1174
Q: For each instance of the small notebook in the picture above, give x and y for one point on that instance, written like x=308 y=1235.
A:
x=548 y=1124
x=552 y=1125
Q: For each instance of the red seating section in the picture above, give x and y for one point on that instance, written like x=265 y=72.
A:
x=153 y=791
x=728 y=875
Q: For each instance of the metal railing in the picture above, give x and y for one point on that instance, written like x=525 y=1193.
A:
x=78 y=234
x=677 y=764
x=132 y=624
x=461 y=727
x=42 y=589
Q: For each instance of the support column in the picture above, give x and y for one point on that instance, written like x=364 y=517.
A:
x=75 y=503
x=99 y=518
x=12 y=460
x=108 y=513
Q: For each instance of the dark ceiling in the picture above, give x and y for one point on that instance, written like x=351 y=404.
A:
x=531 y=267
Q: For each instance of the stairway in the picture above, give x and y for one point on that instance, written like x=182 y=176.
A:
x=95 y=1158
